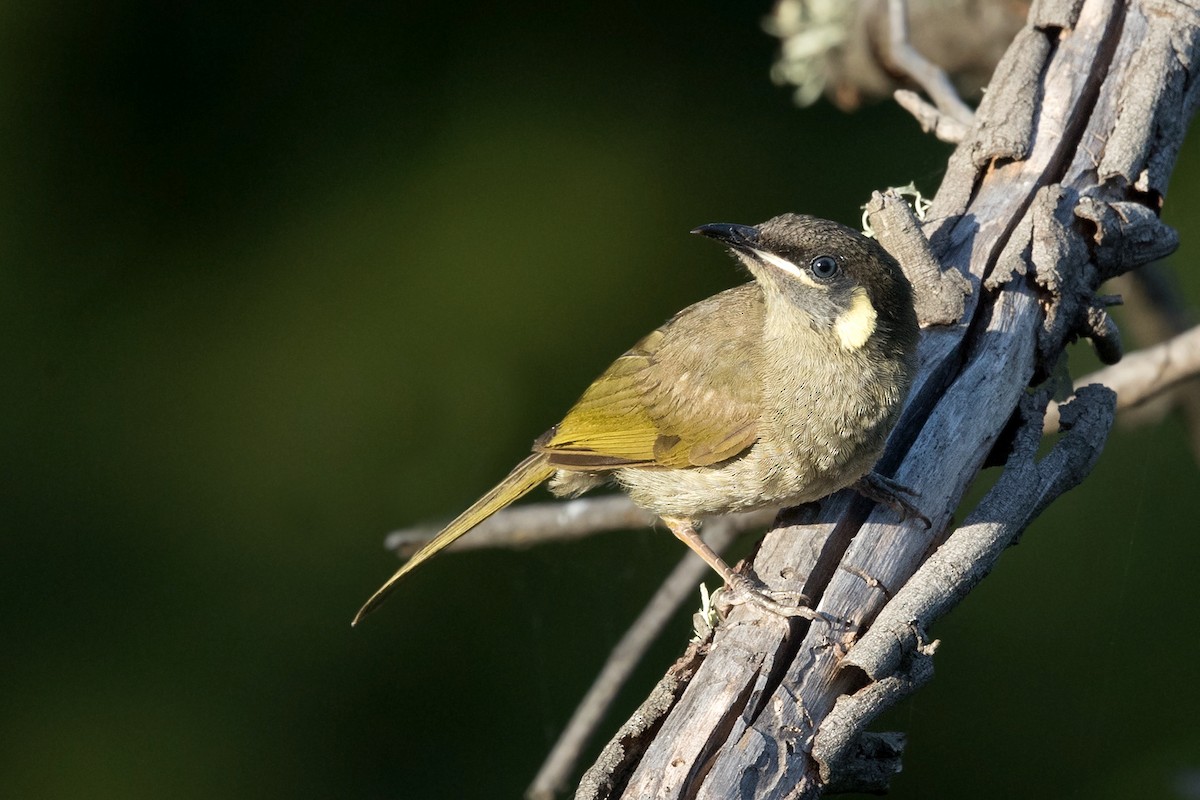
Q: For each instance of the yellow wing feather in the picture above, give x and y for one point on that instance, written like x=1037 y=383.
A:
x=684 y=396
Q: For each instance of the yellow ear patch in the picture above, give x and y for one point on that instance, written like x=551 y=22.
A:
x=855 y=325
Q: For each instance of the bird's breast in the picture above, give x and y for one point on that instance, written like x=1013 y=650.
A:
x=824 y=419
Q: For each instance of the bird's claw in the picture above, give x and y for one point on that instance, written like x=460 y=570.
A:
x=744 y=589
x=888 y=492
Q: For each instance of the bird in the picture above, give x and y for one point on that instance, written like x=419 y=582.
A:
x=777 y=392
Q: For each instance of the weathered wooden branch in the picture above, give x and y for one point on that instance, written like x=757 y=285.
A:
x=517 y=527
x=1056 y=188
x=528 y=525
x=929 y=76
x=939 y=295
x=1154 y=311
x=895 y=654
x=930 y=119
x=679 y=585
x=1144 y=374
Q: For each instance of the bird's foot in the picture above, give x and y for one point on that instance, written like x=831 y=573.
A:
x=740 y=588
x=883 y=489
x=744 y=589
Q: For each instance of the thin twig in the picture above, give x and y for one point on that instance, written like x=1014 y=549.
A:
x=555 y=521
x=1155 y=310
x=534 y=523
x=625 y=657
x=931 y=120
x=926 y=74
x=1143 y=374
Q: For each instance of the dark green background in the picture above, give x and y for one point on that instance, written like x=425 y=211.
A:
x=276 y=281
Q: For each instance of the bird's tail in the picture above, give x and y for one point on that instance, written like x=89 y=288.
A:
x=525 y=477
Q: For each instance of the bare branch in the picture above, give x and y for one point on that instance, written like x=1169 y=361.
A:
x=538 y=523
x=938 y=293
x=1154 y=310
x=930 y=77
x=679 y=585
x=1144 y=374
x=619 y=756
x=534 y=523
x=895 y=653
x=931 y=120
x=1025 y=488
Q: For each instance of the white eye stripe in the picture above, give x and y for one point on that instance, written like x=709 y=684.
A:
x=778 y=262
x=786 y=266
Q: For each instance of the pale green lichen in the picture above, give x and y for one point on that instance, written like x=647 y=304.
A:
x=919 y=204
x=809 y=30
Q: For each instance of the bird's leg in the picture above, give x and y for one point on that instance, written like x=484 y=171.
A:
x=883 y=489
x=742 y=588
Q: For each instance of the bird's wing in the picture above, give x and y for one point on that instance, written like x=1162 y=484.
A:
x=686 y=395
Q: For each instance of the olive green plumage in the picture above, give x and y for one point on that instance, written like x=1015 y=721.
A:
x=782 y=390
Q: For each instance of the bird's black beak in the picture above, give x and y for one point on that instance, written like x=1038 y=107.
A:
x=743 y=237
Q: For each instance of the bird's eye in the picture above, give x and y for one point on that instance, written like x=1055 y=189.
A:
x=824 y=267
